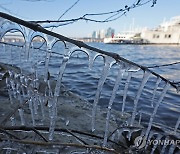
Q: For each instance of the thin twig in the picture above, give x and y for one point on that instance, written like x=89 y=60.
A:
x=37 y=132
x=77 y=137
x=28 y=128
x=9 y=134
x=129 y=127
x=68 y=9
x=3 y=122
x=114 y=15
x=61 y=144
x=164 y=65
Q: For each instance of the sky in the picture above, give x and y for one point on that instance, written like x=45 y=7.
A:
x=144 y=16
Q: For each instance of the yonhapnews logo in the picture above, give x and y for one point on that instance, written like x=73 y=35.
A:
x=140 y=142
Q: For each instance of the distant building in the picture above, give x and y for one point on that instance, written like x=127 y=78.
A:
x=110 y=32
x=94 y=34
x=101 y=34
x=167 y=33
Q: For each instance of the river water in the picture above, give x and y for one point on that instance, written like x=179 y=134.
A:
x=83 y=81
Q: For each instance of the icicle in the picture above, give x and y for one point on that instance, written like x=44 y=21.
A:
x=164 y=145
x=67 y=122
x=22 y=85
x=155 y=145
x=21 y=114
x=27 y=48
x=177 y=125
x=145 y=78
x=156 y=107
x=11 y=100
x=171 y=149
x=21 y=111
x=48 y=54
x=50 y=42
x=19 y=97
x=92 y=58
x=140 y=118
x=49 y=85
x=34 y=72
x=119 y=134
x=155 y=89
x=28 y=38
x=66 y=57
x=61 y=71
x=32 y=111
x=9 y=91
x=150 y=137
x=35 y=105
x=130 y=134
x=116 y=86
x=13 y=88
x=51 y=128
x=41 y=100
x=126 y=90
x=108 y=63
x=13 y=122
x=53 y=115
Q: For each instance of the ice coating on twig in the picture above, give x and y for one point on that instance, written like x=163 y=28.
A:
x=145 y=78
x=108 y=63
x=177 y=125
x=50 y=42
x=155 y=89
x=156 y=108
x=126 y=90
x=116 y=86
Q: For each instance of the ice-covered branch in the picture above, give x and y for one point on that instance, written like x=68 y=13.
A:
x=164 y=65
x=117 y=57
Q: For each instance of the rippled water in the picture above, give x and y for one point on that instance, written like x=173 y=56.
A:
x=83 y=81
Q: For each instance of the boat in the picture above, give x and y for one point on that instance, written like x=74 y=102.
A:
x=166 y=33
x=122 y=38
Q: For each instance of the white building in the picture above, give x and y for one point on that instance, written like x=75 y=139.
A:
x=167 y=33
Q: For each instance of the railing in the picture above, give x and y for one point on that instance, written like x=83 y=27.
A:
x=35 y=103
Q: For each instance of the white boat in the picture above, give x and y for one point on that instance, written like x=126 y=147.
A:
x=128 y=37
x=167 y=33
x=124 y=37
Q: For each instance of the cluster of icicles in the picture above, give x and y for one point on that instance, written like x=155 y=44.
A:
x=25 y=88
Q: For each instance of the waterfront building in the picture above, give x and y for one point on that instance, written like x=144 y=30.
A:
x=166 y=33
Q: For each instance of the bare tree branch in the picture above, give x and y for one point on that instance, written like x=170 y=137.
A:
x=3 y=122
x=40 y=128
x=57 y=144
x=114 y=15
x=68 y=9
